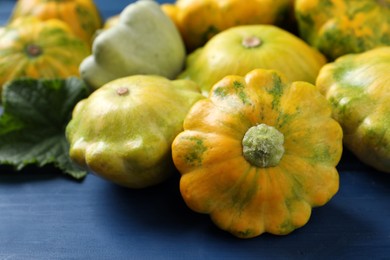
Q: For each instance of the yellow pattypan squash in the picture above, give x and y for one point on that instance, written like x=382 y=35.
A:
x=199 y=20
x=30 y=47
x=240 y=49
x=339 y=27
x=82 y=16
x=258 y=154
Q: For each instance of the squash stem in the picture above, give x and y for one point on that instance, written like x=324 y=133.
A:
x=251 y=42
x=122 y=91
x=33 y=50
x=263 y=146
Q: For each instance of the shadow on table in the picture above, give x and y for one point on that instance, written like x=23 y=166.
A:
x=32 y=173
x=154 y=208
x=350 y=164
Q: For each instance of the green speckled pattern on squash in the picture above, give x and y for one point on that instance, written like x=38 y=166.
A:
x=33 y=48
x=358 y=88
x=298 y=151
x=338 y=27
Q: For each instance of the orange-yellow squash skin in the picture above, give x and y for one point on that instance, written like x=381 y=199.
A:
x=339 y=27
x=30 y=47
x=258 y=154
x=82 y=16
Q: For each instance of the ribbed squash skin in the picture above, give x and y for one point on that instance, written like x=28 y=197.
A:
x=358 y=87
x=240 y=197
x=82 y=16
x=199 y=20
x=124 y=130
x=338 y=27
x=145 y=41
x=225 y=54
x=33 y=48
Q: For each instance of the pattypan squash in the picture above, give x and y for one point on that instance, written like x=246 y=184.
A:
x=82 y=16
x=338 y=27
x=111 y=21
x=30 y=47
x=123 y=131
x=240 y=49
x=258 y=154
x=358 y=87
x=143 y=41
x=200 y=20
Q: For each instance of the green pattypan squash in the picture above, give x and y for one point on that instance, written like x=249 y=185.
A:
x=241 y=49
x=124 y=130
x=143 y=41
x=357 y=86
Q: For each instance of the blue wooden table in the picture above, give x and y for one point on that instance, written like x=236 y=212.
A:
x=45 y=215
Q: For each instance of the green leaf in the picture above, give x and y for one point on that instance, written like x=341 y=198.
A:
x=32 y=126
